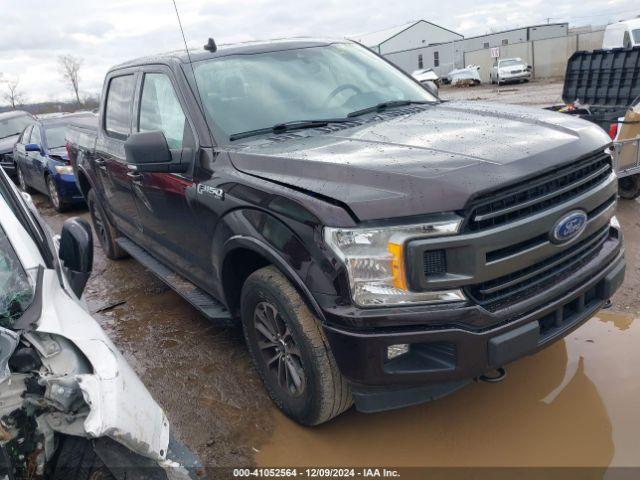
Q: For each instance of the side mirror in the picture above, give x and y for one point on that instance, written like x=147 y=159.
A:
x=149 y=152
x=76 y=253
x=431 y=87
x=32 y=147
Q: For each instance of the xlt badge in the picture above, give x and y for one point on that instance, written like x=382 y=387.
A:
x=209 y=190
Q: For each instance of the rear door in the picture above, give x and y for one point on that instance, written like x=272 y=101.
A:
x=109 y=159
x=173 y=231
x=20 y=155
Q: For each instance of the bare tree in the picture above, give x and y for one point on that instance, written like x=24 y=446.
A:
x=70 y=70
x=14 y=95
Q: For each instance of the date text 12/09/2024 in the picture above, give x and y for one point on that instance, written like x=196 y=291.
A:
x=316 y=473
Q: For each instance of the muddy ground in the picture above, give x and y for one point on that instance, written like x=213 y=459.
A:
x=573 y=404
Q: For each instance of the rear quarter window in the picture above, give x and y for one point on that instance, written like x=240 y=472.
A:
x=118 y=106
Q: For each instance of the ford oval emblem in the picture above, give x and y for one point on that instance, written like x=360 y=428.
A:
x=569 y=226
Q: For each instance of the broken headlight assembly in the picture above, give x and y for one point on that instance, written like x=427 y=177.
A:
x=375 y=261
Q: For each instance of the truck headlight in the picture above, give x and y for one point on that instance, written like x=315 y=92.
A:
x=375 y=261
x=64 y=169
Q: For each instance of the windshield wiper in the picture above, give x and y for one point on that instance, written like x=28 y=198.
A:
x=288 y=126
x=384 y=105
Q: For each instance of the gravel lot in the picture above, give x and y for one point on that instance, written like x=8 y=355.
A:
x=573 y=404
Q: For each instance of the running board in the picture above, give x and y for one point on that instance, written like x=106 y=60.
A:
x=208 y=306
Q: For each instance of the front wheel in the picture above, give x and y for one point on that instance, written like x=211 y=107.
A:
x=629 y=187
x=290 y=351
x=54 y=195
x=78 y=460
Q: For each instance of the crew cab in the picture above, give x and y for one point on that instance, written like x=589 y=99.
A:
x=377 y=245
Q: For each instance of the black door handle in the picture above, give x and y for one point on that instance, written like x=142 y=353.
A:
x=102 y=164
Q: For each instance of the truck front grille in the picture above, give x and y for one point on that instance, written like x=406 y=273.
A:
x=537 y=194
x=516 y=286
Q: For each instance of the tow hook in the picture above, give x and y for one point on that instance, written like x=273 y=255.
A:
x=607 y=304
x=500 y=374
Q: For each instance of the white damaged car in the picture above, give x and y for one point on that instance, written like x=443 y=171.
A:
x=70 y=405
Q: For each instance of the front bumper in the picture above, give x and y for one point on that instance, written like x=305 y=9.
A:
x=68 y=189
x=444 y=358
x=514 y=77
x=8 y=166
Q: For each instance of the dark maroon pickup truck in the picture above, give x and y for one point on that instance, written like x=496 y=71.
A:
x=377 y=245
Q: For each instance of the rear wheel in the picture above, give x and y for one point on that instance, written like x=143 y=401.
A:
x=106 y=232
x=54 y=195
x=22 y=182
x=290 y=350
x=629 y=187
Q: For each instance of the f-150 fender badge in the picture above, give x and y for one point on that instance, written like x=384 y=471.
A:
x=217 y=193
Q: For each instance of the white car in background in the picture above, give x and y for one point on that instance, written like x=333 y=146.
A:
x=510 y=70
x=70 y=405
x=625 y=34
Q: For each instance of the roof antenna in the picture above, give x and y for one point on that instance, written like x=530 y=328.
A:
x=211 y=46
x=186 y=47
x=184 y=39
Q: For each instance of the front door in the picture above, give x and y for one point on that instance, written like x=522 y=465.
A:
x=109 y=160
x=172 y=229
x=36 y=162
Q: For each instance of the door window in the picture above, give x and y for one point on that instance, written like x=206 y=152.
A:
x=160 y=109
x=24 y=138
x=35 y=136
x=118 y=106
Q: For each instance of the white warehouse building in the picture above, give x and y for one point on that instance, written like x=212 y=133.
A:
x=403 y=37
x=425 y=45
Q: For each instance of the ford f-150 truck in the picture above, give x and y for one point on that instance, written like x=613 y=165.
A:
x=379 y=246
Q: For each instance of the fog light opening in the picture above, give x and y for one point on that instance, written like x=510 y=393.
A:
x=394 y=351
x=497 y=375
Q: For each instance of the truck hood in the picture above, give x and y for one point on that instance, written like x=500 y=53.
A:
x=7 y=143
x=431 y=159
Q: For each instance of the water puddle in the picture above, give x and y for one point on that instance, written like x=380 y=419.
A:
x=572 y=404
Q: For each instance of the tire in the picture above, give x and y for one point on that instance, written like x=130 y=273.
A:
x=77 y=460
x=300 y=346
x=21 y=181
x=105 y=232
x=629 y=187
x=54 y=195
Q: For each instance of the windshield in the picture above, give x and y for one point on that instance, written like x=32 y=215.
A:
x=14 y=125
x=16 y=293
x=636 y=36
x=511 y=63
x=55 y=136
x=249 y=92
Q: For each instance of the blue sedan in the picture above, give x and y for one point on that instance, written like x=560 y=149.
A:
x=43 y=164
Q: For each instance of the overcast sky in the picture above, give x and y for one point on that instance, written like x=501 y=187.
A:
x=106 y=32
